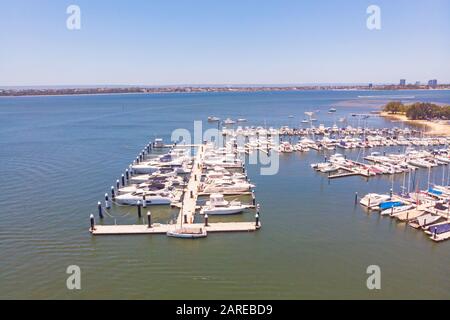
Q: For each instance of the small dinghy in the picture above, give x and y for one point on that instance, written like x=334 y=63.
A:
x=188 y=233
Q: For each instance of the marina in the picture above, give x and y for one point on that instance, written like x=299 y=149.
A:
x=311 y=228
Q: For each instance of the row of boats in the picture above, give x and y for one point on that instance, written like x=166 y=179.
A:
x=427 y=210
x=322 y=130
x=259 y=138
x=379 y=164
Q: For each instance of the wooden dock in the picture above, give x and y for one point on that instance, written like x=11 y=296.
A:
x=343 y=174
x=189 y=201
x=104 y=230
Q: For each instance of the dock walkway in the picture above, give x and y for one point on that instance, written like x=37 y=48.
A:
x=189 y=202
x=103 y=230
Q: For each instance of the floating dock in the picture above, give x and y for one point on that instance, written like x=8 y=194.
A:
x=164 y=228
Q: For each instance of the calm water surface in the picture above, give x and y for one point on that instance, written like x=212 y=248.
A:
x=59 y=155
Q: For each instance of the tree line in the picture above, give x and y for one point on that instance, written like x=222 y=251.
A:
x=419 y=110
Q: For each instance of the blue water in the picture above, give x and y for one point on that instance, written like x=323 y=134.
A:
x=59 y=155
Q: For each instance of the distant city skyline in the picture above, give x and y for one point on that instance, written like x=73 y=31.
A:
x=170 y=43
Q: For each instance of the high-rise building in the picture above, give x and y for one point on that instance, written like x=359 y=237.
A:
x=370 y=85
x=432 y=83
x=402 y=82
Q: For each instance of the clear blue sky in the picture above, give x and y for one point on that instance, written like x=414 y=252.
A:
x=158 y=42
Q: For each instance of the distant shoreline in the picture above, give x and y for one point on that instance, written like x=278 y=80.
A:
x=185 y=90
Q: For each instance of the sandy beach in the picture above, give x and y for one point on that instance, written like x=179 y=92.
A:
x=435 y=128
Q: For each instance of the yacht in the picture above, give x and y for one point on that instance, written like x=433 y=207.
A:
x=285 y=147
x=158 y=143
x=158 y=197
x=227 y=187
x=213 y=119
x=217 y=205
x=373 y=200
x=229 y=121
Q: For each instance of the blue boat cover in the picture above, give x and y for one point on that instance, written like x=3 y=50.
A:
x=390 y=204
x=443 y=228
x=434 y=191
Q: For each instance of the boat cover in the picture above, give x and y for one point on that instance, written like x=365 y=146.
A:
x=443 y=228
x=434 y=191
x=390 y=204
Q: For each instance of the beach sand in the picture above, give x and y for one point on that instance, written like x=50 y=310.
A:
x=434 y=128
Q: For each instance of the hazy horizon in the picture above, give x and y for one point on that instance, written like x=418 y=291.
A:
x=162 y=43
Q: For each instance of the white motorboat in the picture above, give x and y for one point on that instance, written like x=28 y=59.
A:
x=227 y=187
x=213 y=119
x=188 y=233
x=156 y=185
x=221 y=175
x=285 y=147
x=229 y=121
x=151 y=198
x=217 y=205
x=373 y=200
x=158 y=143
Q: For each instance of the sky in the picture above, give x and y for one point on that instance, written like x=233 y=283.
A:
x=167 y=42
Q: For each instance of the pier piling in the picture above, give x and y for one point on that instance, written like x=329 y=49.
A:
x=100 y=211
x=107 y=204
x=117 y=185
x=257 y=220
x=356 y=198
x=149 y=219
x=92 y=222
x=139 y=209
x=144 y=201
x=206 y=220
x=123 y=180
x=113 y=193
